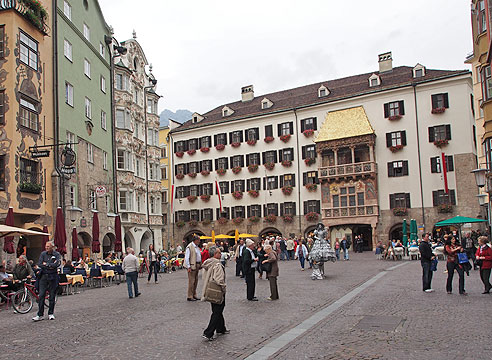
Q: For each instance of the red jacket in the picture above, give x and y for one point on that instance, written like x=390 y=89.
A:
x=205 y=255
x=487 y=253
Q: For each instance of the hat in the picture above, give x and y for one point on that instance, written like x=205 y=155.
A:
x=249 y=242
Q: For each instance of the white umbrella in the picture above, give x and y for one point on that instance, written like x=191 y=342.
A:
x=6 y=230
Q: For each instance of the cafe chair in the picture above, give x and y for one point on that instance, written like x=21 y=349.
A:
x=64 y=284
x=96 y=275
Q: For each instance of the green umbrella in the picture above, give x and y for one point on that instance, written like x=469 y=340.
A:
x=413 y=229
x=404 y=230
x=459 y=220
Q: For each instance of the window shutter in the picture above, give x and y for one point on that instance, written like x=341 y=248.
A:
x=279 y=130
x=248 y=184
x=248 y=210
x=304 y=179
x=175 y=169
x=209 y=141
x=291 y=128
x=247 y=159
x=242 y=161
x=215 y=140
x=435 y=198
x=294 y=209
x=402 y=107
x=433 y=165
x=303 y=152
x=315 y=123
x=446 y=100
x=407 y=200
x=276 y=209
x=303 y=125
x=431 y=134
x=265 y=210
x=230 y=138
x=241 y=136
x=390 y=169
x=305 y=207
x=257 y=133
x=281 y=181
x=405 y=168
x=452 y=195
x=216 y=164
x=276 y=182
x=281 y=209
x=434 y=101
x=291 y=154
x=263 y=157
x=449 y=163
x=293 y=180
x=231 y=160
x=186 y=168
x=199 y=166
x=280 y=152
x=388 y=139
x=269 y=130
x=316 y=179
x=315 y=152
x=392 y=201
x=318 y=207
x=275 y=158
x=403 y=135
x=448 y=132
x=386 y=110
x=226 y=164
x=187 y=215
x=187 y=191
x=264 y=183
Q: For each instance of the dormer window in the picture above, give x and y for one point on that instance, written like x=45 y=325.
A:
x=323 y=91
x=265 y=103
x=374 y=80
x=196 y=118
x=227 y=111
x=418 y=71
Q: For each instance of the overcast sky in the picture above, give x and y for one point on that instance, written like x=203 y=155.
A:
x=203 y=52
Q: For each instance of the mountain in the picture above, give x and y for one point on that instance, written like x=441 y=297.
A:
x=180 y=116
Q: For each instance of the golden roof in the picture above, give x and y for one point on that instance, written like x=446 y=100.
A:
x=345 y=123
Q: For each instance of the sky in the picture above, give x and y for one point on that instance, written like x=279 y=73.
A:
x=204 y=51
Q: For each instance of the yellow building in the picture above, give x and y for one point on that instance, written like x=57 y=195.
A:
x=26 y=119
x=165 y=184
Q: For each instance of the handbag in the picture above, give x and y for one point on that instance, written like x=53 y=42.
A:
x=434 y=265
x=266 y=267
x=213 y=293
x=462 y=258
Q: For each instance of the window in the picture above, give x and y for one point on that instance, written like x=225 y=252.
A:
x=268 y=130
x=436 y=164
x=67 y=49
x=309 y=152
x=87 y=68
x=396 y=138
x=180 y=169
x=224 y=187
x=419 y=73
x=29 y=171
x=67 y=10
x=322 y=92
x=440 y=197
x=102 y=49
x=309 y=124
x=374 y=81
x=237 y=160
x=205 y=142
x=312 y=206
x=224 y=213
x=2 y=107
x=221 y=163
x=253 y=184
x=286 y=128
x=271 y=182
x=193 y=167
x=395 y=108
x=121 y=82
x=140 y=204
x=123 y=119
x=105 y=160
x=28 y=51
x=69 y=94
x=238 y=212
x=310 y=177
x=87 y=32
x=206 y=165
x=397 y=168
x=220 y=139
x=253 y=134
x=136 y=95
x=2 y=41
x=481 y=17
x=88 y=108
x=103 y=120
x=207 y=214
x=92 y=200
x=90 y=153
x=124 y=160
x=254 y=210
x=238 y=185
x=164 y=152
x=486 y=83
x=126 y=200
x=440 y=101
x=264 y=104
x=253 y=159
x=180 y=192
x=154 y=171
x=28 y=114
x=440 y=132
x=236 y=136
x=71 y=140
x=288 y=208
x=287 y=180
x=400 y=200
x=164 y=173
x=286 y=154
x=2 y=172
x=193 y=144
x=271 y=209
x=103 y=84
x=269 y=156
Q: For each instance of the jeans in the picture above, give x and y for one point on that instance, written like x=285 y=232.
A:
x=302 y=259
x=291 y=254
x=154 y=266
x=426 y=275
x=132 y=278
x=337 y=253
x=345 y=254
x=239 y=266
x=216 y=322
x=50 y=286
x=451 y=266
x=485 y=276
x=284 y=255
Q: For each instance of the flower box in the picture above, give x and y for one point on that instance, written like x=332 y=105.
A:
x=35 y=13
x=438 y=110
x=180 y=224
x=220 y=147
x=180 y=154
x=192 y=223
x=251 y=142
x=312 y=216
x=268 y=139
x=445 y=208
x=252 y=167
x=180 y=176
x=441 y=143
x=236 y=169
x=287 y=190
x=399 y=211
x=271 y=218
x=222 y=220
x=288 y=218
x=221 y=172
x=205 y=197
x=287 y=163
x=285 y=138
x=191 y=152
x=238 y=220
x=236 y=144
x=205 y=172
x=311 y=187
x=191 y=198
x=308 y=132
x=206 y=222
x=394 y=117
x=31 y=188
x=254 y=193
x=192 y=175
x=309 y=161
x=254 y=219
x=238 y=195
x=396 y=148
x=269 y=165
x=204 y=149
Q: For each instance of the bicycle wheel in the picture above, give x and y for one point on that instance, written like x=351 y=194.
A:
x=22 y=301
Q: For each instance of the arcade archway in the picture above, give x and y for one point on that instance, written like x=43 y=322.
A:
x=190 y=234
x=147 y=239
x=269 y=231
x=84 y=242
x=108 y=243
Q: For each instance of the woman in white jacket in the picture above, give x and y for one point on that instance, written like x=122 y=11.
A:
x=301 y=254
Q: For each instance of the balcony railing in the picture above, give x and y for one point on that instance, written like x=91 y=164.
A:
x=351 y=211
x=353 y=169
x=32 y=11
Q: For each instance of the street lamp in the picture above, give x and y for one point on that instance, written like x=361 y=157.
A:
x=480 y=176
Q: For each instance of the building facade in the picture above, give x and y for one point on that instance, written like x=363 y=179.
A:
x=26 y=120
x=359 y=153
x=137 y=149
x=165 y=183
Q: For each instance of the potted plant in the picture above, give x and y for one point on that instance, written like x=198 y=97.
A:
x=308 y=132
x=236 y=169
x=205 y=149
x=191 y=198
x=254 y=219
x=252 y=167
x=438 y=110
x=312 y=216
x=269 y=165
x=396 y=148
x=222 y=220
x=179 y=154
x=30 y=187
x=236 y=144
x=206 y=222
x=253 y=193
x=238 y=220
x=180 y=176
x=400 y=211
x=285 y=138
x=309 y=161
x=271 y=218
x=220 y=147
x=205 y=172
x=180 y=224
x=441 y=143
x=238 y=195
x=268 y=139
x=287 y=190
x=191 y=152
x=205 y=197
x=251 y=142
x=192 y=175
x=193 y=223
x=311 y=187
x=445 y=208
x=394 y=117
x=221 y=171
x=288 y=218
x=287 y=163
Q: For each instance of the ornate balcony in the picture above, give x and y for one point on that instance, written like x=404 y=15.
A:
x=352 y=170
x=351 y=211
x=33 y=11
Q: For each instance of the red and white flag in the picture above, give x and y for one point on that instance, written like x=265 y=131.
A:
x=217 y=187
x=172 y=198
x=444 y=172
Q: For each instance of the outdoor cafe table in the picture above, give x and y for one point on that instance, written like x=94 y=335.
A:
x=74 y=279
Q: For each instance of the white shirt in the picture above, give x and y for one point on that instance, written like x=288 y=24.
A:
x=187 y=256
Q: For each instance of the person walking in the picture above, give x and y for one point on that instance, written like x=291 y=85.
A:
x=130 y=266
x=261 y=256
x=214 y=273
x=290 y=249
x=451 y=249
x=301 y=254
x=49 y=261
x=193 y=262
x=249 y=266
x=345 y=247
x=426 y=258
x=337 y=248
x=239 y=258
x=469 y=246
x=272 y=259
x=153 y=263
x=484 y=260
x=284 y=255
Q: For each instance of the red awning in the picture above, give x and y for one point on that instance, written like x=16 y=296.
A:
x=60 y=233
x=117 y=230
x=96 y=246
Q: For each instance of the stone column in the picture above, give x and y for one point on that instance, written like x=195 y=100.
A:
x=335 y=154
x=371 y=153
x=352 y=150
x=374 y=237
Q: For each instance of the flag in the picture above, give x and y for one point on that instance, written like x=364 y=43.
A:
x=172 y=198
x=217 y=187
x=444 y=172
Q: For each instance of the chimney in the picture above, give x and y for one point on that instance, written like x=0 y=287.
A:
x=247 y=93
x=385 y=62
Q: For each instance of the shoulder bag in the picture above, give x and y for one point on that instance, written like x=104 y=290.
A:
x=213 y=293
x=462 y=258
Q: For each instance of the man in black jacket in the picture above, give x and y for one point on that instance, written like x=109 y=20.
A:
x=249 y=265
x=426 y=257
x=49 y=261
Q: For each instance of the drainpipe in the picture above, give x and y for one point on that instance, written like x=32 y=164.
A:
x=298 y=174
x=418 y=151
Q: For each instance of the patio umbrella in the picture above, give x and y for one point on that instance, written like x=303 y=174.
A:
x=46 y=238
x=247 y=235
x=117 y=230
x=404 y=230
x=96 y=246
x=60 y=233
x=204 y=237
x=413 y=229
x=8 y=243
x=222 y=236
x=458 y=220
x=236 y=236
x=75 y=245
x=15 y=231
x=213 y=235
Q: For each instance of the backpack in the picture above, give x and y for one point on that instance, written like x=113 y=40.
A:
x=349 y=243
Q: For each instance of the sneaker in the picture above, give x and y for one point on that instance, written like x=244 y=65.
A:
x=208 y=338
x=157 y=282
x=302 y=269
x=429 y=290
x=37 y=318
x=137 y=295
x=51 y=317
x=269 y=298
x=224 y=332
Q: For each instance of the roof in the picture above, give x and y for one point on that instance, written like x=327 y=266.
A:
x=345 y=123
x=307 y=95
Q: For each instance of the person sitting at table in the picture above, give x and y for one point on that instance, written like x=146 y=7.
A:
x=6 y=279
x=107 y=261
x=389 y=251
x=68 y=267
x=82 y=265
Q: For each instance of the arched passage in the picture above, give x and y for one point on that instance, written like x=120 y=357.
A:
x=84 y=242
x=309 y=231
x=147 y=239
x=190 y=234
x=108 y=243
x=269 y=231
x=129 y=240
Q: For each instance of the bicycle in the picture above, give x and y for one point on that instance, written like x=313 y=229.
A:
x=22 y=300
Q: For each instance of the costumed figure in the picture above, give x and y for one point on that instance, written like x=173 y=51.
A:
x=320 y=252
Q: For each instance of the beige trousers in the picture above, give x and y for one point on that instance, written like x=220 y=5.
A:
x=192 y=283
